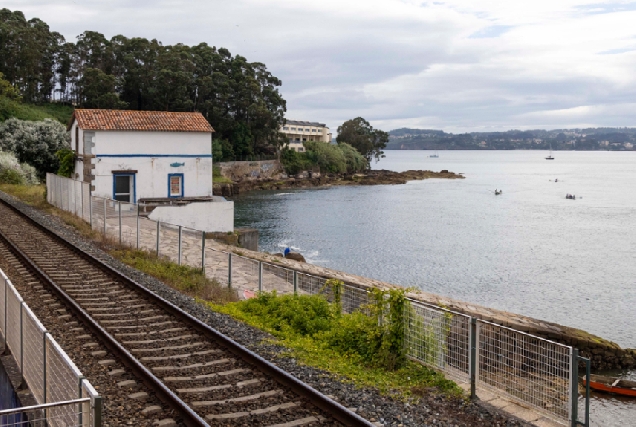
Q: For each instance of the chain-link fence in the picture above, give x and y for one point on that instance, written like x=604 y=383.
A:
x=527 y=368
x=510 y=363
x=46 y=369
x=438 y=338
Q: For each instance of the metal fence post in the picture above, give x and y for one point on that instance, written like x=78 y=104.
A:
x=229 y=270
x=97 y=417
x=574 y=387
x=137 y=225
x=260 y=276
x=588 y=369
x=104 y=217
x=203 y=252
x=158 y=231
x=473 y=357
x=179 y=245
x=80 y=411
x=119 y=212
x=295 y=282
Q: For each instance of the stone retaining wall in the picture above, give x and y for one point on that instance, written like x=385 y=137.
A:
x=603 y=353
x=240 y=171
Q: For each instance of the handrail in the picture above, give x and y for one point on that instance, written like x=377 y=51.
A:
x=43 y=406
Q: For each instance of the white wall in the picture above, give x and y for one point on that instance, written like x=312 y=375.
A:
x=151 y=155
x=206 y=216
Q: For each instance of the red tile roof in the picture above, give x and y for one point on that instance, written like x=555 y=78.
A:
x=132 y=120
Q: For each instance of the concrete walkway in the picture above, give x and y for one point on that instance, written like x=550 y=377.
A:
x=512 y=407
x=244 y=270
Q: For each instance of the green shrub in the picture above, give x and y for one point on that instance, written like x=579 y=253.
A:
x=329 y=157
x=303 y=315
x=294 y=162
x=356 y=162
x=66 y=157
x=358 y=346
x=376 y=334
x=11 y=176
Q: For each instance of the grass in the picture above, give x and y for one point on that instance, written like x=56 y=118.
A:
x=188 y=280
x=315 y=336
x=10 y=108
x=217 y=178
x=222 y=180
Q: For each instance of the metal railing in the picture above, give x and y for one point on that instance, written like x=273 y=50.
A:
x=71 y=413
x=522 y=367
x=47 y=370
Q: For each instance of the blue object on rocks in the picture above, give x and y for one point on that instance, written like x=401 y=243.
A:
x=286 y=251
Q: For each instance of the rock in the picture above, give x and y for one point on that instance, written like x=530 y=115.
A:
x=296 y=257
x=278 y=254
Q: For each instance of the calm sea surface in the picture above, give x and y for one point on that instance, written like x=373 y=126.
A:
x=528 y=251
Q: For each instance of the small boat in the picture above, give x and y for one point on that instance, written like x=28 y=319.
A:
x=434 y=156
x=612 y=385
x=498 y=192
x=550 y=155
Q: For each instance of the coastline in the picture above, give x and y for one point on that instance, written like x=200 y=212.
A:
x=604 y=354
x=310 y=180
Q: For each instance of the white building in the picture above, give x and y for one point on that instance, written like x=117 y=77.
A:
x=150 y=156
x=298 y=132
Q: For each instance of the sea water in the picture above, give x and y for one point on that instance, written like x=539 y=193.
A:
x=529 y=250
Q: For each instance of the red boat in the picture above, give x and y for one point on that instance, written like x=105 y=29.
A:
x=612 y=385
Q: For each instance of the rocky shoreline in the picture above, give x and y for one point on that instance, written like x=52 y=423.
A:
x=313 y=179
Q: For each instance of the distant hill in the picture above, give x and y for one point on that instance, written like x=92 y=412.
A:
x=10 y=108
x=618 y=139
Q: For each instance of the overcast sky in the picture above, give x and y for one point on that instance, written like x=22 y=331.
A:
x=458 y=65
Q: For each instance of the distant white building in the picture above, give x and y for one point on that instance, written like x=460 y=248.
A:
x=298 y=132
x=150 y=156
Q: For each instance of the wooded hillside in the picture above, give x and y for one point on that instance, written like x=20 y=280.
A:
x=240 y=99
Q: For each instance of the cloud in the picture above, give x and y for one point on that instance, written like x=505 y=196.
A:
x=456 y=65
x=491 y=31
x=617 y=51
x=602 y=8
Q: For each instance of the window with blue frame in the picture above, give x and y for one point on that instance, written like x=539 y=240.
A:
x=175 y=185
x=124 y=187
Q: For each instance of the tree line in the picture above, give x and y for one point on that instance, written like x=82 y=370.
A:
x=239 y=98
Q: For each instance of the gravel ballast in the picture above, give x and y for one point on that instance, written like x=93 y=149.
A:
x=430 y=410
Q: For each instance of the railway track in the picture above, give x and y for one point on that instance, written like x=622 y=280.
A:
x=206 y=378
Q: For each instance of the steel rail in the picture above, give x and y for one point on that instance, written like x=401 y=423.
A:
x=333 y=408
x=190 y=417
